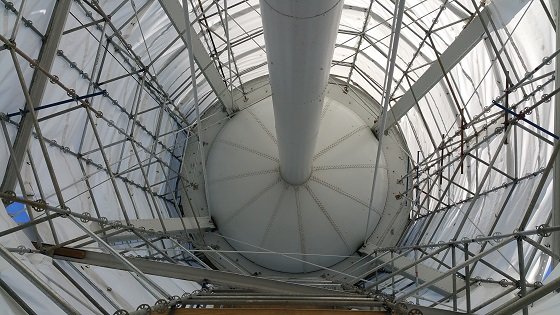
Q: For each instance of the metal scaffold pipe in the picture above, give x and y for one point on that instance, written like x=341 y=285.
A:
x=300 y=38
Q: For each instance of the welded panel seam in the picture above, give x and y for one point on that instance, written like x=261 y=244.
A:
x=273 y=216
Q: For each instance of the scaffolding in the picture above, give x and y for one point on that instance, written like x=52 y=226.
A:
x=103 y=99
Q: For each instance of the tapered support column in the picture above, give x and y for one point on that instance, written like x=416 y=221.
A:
x=300 y=37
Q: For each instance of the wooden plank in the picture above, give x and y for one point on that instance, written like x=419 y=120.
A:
x=271 y=311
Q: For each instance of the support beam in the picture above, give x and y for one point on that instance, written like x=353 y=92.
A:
x=32 y=277
x=471 y=35
x=394 y=45
x=37 y=90
x=21 y=302
x=198 y=274
x=274 y=305
x=175 y=13
x=516 y=304
x=302 y=307
x=454 y=269
x=425 y=274
x=172 y=225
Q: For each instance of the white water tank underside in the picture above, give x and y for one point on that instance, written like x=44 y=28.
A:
x=318 y=223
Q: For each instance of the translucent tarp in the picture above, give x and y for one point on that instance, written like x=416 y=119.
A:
x=167 y=107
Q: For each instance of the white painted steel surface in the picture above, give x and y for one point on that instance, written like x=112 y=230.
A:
x=319 y=222
x=300 y=38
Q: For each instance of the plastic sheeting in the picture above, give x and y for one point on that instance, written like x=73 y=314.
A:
x=70 y=134
x=527 y=38
x=119 y=286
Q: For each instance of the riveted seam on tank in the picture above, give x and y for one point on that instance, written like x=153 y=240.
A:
x=268 y=132
x=342 y=192
x=344 y=166
x=325 y=108
x=327 y=215
x=243 y=175
x=242 y=147
x=339 y=141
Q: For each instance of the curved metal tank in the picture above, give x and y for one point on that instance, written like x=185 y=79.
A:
x=289 y=177
x=303 y=227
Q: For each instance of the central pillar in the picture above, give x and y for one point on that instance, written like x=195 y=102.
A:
x=300 y=37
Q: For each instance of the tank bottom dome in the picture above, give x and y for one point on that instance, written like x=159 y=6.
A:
x=316 y=224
